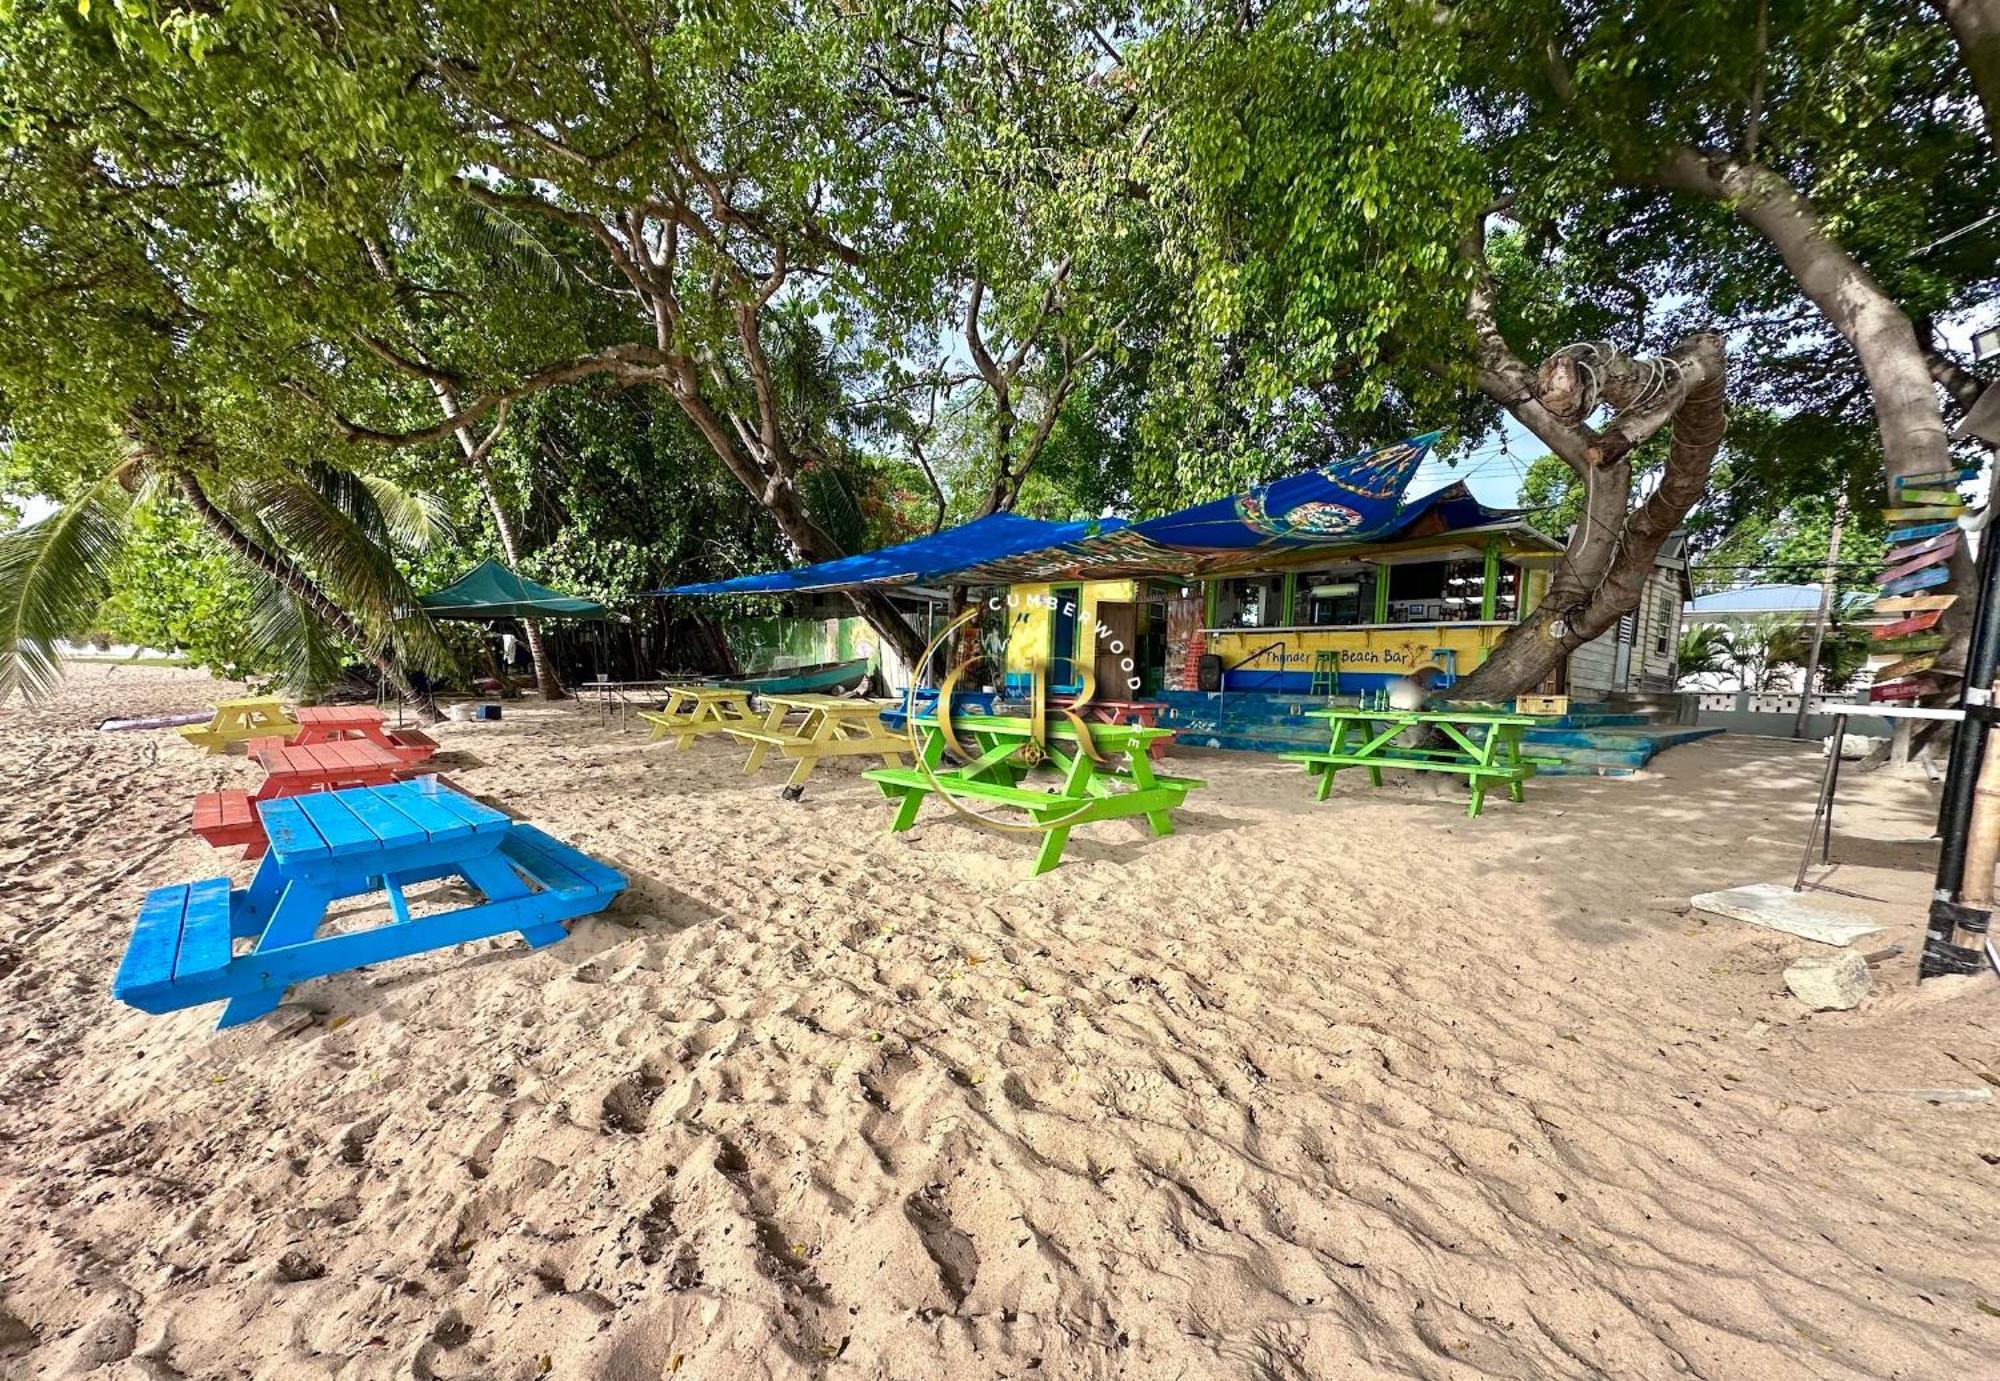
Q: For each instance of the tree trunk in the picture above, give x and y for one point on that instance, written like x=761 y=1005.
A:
x=1976 y=26
x=302 y=587
x=1900 y=384
x=546 y=680
x=776 y=493
x=1613 y=549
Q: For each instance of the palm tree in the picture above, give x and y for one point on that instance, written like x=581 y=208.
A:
x=316 y=539
x=1762 y=645
x=1703 y=650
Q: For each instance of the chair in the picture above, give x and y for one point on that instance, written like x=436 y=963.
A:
x=1326 y=674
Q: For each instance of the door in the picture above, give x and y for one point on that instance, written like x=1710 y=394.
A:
x=1062 y=636
x=1117 y=645
x=1184 y=617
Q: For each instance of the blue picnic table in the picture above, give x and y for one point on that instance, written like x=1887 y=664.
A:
x=330 y=845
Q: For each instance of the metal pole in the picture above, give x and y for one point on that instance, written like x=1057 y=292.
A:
x=1825 y=611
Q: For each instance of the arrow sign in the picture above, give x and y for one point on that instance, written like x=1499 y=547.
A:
x=1938 y=496
x=1909 y=666
x=1923 y=642
x=1917 y=534
x=1902 y=628
x=1922 y=580
x=1915 y=604
x=1921 y=515
x=1914 y=689
x=1927 y=478
x=1915 y=549
x=1935 y=557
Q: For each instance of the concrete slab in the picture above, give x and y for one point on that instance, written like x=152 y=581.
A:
x=1774 y=906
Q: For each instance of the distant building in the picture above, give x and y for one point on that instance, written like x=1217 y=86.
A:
x=1738 y=609
x=1637 y=653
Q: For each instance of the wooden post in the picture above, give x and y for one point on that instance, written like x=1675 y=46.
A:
x=1212 y=602
x=1288 y=598
x=1982 y=845
x=1382 y=592
x=1489 y=589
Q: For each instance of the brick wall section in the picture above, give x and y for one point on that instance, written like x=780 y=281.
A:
x=1187 y=676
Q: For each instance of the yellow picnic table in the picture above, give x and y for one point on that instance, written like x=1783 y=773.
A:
x=253 y=716
x=832 y=726
x=696 y=710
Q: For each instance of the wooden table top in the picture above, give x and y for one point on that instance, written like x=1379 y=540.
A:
x=813 y=700
x=328 y=760
x=1426 y=716
x=1010 y=726
x=331 y=716
x=371 y=819
x=708 y=692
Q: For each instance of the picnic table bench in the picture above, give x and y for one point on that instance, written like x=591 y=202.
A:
x=831 y=726
x=1368 y=738
x=693 y=711
x=252 y=716
x=336 y=723
x=1122 y=784
x=1144 y=713
x=922 y=700
x=326 y=846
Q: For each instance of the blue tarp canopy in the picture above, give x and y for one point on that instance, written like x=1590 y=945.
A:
x=941 y=554
x=1351 y=500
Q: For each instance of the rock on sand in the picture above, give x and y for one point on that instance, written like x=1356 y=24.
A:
x=1828 y=982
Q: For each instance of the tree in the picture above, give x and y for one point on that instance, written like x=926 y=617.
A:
x=1779 y=168
x=1703 y=650
x=702 y=172
x=1353 y=246
x=138 y=350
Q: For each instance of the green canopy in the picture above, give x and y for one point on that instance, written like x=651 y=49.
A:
x=491 y=591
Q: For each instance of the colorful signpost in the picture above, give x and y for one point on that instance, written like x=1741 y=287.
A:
x=1928 y=505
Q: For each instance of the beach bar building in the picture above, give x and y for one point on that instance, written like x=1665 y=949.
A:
x=1241 y=614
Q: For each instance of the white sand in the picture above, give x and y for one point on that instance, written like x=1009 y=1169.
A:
x=1362 y=1089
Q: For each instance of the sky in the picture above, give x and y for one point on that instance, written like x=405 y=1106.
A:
x=1492 y=470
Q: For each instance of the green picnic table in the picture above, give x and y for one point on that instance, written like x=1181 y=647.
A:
x=1368 y=738
x=1081 y=789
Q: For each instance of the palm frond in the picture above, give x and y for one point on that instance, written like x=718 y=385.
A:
x=53 y=575
x=414 y=521
x=509 y=243
x=284 y=633
x=358 y=571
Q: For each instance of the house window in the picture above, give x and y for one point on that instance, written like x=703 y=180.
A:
x=1250 y=602
x=1337 y=598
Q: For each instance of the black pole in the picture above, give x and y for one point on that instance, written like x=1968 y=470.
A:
x=1967 y=746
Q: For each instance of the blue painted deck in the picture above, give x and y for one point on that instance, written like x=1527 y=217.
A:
x=1592 y=740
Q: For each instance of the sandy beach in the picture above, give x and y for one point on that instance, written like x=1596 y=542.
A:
x=1351 y=1090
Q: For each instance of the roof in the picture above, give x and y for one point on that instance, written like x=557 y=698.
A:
x=992 y=538
x=1342 y=502
x=1758 y=599
x=491 y=591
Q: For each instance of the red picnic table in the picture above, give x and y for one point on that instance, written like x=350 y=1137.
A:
x=1144 y=713
x=227 y=818
x=337 y=723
